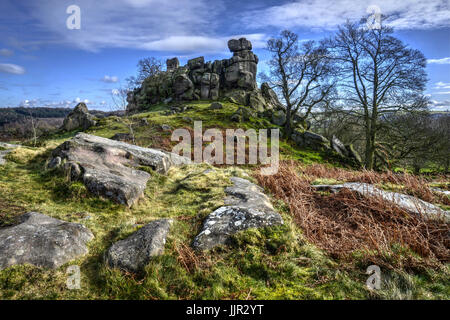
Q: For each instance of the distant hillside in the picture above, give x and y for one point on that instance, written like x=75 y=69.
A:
x=15 y=123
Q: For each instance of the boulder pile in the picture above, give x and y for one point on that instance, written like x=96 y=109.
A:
x=234 y=78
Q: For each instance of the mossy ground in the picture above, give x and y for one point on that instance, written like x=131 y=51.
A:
x=273 y=263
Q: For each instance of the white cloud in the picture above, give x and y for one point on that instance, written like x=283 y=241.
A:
x=440 y=105
x=440 y=61
x=11 y=68
x=110 y=79
x=147 y=21
x=404 y=14
x=6 y=52
x=43 y=103
x=442 y=85
x=201 y=44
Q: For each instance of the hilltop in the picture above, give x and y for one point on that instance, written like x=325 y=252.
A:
x=144 y=223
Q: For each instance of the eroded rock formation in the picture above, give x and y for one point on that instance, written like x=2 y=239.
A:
x=234 y=78
x=79 y=118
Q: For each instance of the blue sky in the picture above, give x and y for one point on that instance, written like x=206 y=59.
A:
x=43 y=63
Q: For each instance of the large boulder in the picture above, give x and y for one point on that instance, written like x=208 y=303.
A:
x=134 y=253
x=279 y=118
x=183 y=87
x=111 y=168
x=308 y=139
x=172 y=64
x=270 y=97
x=42 y=241
x=79 y=118
x=246 y=206
x=404 y=201
x=353 y=154
x=339 y=147
x=240 y=70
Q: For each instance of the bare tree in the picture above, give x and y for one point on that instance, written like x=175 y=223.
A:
x=147 y=67
x=33 y=128
x=299 y=73
x=119 y=99
x=379 y=76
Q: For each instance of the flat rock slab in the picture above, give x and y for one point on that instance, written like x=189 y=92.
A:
x=3 y=153
x=246 y=206
x=111 y=168
x=406 y=202
x=441 y=191
x=9 y=147
x=42 y=241
x=134 y=253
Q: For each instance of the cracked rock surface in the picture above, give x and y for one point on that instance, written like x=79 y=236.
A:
x=133 y=253
x=42 y=241
x=404 y=201
x=112 y=168
x=246 y=206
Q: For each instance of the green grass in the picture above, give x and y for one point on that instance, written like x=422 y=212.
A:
x=271 y=263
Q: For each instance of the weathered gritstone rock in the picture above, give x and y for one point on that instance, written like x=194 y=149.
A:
x=441 y=191
x=246 y=206
x=111 y=168
x=311 y=140
x=9 y=147
x=42 y=241
x=406 y=202
x=234 y=78
x=79 y=118
x=133 y=253
x=339 y=147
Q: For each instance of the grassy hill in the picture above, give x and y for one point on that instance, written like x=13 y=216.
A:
x=293 y=261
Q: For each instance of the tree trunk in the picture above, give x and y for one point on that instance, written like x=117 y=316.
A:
x=287 y=125
x=370 y=149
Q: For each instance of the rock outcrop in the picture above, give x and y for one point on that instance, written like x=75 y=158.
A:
x=111 y=168
x=406 y=202
x=246 y=206
x=42 y=241
x=79 y=118
x=308 y=139
x=234 y=78
x=133 y=253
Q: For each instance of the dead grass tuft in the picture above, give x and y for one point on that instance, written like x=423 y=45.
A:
x=344 y=223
